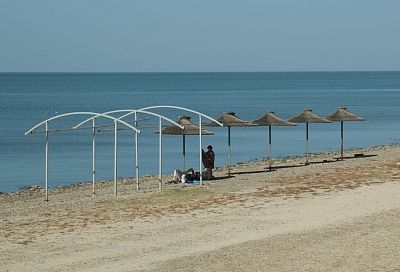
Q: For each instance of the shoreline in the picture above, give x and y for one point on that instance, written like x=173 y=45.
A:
x=330 y=156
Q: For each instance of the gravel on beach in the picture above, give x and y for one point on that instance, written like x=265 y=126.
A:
x=330 y=215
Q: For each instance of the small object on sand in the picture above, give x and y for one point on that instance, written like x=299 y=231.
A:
x=358 y=155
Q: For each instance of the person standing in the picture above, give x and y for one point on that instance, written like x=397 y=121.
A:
x=208 y=161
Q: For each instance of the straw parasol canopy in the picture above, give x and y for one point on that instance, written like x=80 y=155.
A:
x=188 y=129
x=229 y=119
x=270 y=119
x=341 y=115
x=308 y=117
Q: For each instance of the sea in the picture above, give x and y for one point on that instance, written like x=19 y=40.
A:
x=27 y=99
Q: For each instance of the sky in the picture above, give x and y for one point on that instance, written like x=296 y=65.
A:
x=199 y=36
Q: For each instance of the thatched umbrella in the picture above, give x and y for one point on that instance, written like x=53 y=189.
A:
x=189 y=129
x=270 y=119
x=341 y=115
x=308 y=117
x=229 y=119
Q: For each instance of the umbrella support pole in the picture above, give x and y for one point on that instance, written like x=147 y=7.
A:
x=307 y=144
x=229 y=152
x=341 y=140
x=184 y=152
x=270 y=147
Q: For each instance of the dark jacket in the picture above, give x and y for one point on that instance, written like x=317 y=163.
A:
x=208 y=159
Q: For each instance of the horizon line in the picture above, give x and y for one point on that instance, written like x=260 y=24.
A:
x=189 y=72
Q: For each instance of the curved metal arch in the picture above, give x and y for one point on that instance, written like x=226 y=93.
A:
x=130 y=112
x=185 y=109
x=82 y=113
x=116 y=121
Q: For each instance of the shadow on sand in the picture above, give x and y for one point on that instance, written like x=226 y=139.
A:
x=220 y=178
x=356 y=156
x=274 y=168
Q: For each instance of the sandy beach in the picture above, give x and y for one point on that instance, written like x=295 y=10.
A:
x=327 y=216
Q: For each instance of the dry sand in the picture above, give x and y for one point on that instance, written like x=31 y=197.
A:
x=334 y=216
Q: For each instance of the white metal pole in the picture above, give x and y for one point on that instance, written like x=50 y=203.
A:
x=160 y=159
x=47 y=162
x=136 y=154
x=94 y=156
x=200 y=151
x=115 y=156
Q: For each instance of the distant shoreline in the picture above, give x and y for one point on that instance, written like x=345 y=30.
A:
x=320 y=157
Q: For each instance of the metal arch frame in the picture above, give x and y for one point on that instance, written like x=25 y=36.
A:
x=46 y=123
x=200 y=128
x=185 y=109
x=130 y=112
x=31 y=130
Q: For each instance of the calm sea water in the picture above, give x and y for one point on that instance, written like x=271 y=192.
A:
x=27 y=99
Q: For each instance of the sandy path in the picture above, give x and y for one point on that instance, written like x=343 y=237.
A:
x=248 y=231
x=369 y=243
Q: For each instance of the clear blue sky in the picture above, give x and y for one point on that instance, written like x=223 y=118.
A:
x=192 y=36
